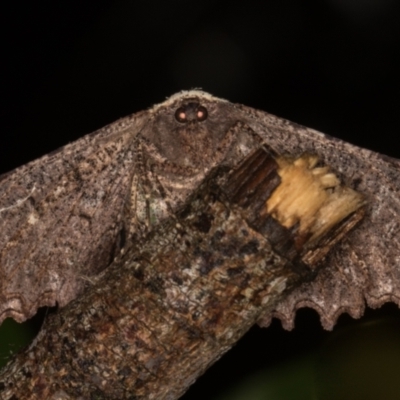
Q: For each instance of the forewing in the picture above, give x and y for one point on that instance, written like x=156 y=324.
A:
x=365 y=266
x=60 y=217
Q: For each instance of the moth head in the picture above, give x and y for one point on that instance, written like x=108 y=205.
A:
x=189 y=128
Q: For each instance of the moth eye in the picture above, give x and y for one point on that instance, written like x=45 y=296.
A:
x=202 y=113
x=180 y=114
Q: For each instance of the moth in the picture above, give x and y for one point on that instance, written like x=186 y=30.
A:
x=66 y=216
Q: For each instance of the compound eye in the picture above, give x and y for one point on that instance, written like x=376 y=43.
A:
x=202 y=113
x=180 y=115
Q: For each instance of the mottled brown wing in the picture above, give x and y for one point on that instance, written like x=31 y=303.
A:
x=60 y=216
x=365 y=266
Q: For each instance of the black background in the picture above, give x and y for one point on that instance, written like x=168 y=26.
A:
x=70 y=67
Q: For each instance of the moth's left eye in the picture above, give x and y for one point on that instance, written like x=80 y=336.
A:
x=202 y=113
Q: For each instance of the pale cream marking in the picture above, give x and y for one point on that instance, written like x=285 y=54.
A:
x=194 y=180
x=18 y=202
x=32 y=219
x=278 y=284
x=248 y=292
x=59 y=189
